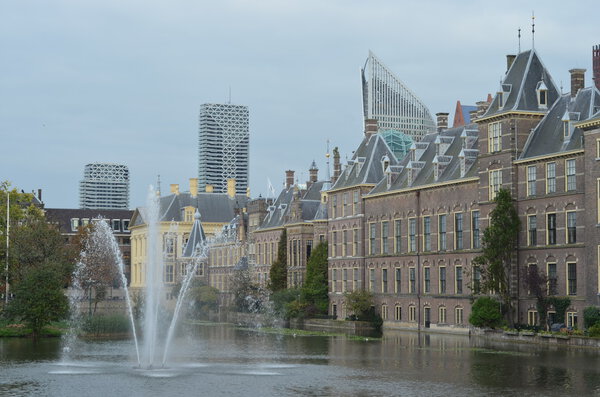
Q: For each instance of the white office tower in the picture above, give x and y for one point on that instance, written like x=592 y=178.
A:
x=104 y=186
x=394 y=106
x=223 y=146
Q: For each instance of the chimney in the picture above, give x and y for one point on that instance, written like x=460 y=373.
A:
x=596 y=65
x=289 y=179
x=442 y=121
x=194 y=187
x=370 y=126
x=577 y=81
x=175 y=188
x=509 y=61
x=231 y=187
x=209 y=188
x=482 y=107
x=337 y=167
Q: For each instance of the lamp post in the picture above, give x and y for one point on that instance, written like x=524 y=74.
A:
x=7 y=245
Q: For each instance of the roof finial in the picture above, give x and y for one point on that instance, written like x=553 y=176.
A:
x=327 y=156
x=532 y=30
x=519 y=41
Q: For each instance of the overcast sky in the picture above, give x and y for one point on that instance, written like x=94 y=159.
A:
x=122 y=81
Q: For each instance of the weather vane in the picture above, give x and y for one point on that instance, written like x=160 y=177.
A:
x=532 y=30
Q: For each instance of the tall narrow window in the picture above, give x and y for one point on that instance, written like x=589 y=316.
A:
x=354 y=279
x=551 y=229
x=571 y=175
x=442 y=280
x=426 y=234
x=333 y=206
x=345 y=204
x=427 y=279
x=372 y=239
x=355 y=200
x=344 y=280
x=495 y=179
x=442 y=315
x=572 y=278
x=459 y=279
x=552 y=279
x=442 y=232
x=476 y=243
x=476 y=279
x=333 y=279
x=397 y=236
x=384 y=281
x=571 y=227
x=384 y=237
x=412 y=235
x=531 y=180
x=345 y=242
x=531 y=230
x=494 y=141
x=334 y=244
x=398 y=316
x=458 y=231
x=355 y=242
x=372 y=280
x=550 y=178
x=398 y=281
x=412 y=280
x=458 y=315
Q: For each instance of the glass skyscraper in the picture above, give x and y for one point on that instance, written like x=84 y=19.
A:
x=223 y=146
x=104 y=186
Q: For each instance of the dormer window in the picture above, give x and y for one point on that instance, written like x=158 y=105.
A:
x=385 y=163
x=565 y=122
x=542 y=95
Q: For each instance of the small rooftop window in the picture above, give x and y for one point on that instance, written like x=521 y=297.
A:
x=542 y=95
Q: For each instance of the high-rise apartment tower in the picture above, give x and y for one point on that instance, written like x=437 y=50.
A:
x=104 y=186
x=223 y=146
x=389 y=101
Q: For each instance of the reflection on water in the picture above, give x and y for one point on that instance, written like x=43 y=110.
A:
x=224 y=360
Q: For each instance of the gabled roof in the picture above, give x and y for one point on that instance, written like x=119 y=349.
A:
x=454 y=144
x=197 y=238
x=215 y=207
x=520 y=84
x=548 y=136
x=366 y=164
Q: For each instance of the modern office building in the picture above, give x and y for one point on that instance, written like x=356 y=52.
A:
x=223 y=147
x=104 y=186
x=389 y=101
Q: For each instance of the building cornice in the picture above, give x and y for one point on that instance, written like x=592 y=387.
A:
x=424 y=187
x=369 y=185
x=509 y=113
x=588 y=123
x=548 y=156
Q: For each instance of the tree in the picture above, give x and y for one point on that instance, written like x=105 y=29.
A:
x=97 y=269
x=203 y=298
x=39 y=299
x=591 y=316
x=486 y=313
x=536 y=284
x=315 y=289
x=278 y=271
x=359 y=303
x=499 y=245
x=247 y=296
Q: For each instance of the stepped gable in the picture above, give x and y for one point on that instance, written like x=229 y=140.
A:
x=549 y=136
x=445 y=150
x=365 y=166
x=520 y=85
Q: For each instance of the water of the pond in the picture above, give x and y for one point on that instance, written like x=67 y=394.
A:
x=221 y=360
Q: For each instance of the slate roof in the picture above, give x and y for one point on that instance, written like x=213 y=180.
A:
x=520 y=85
x=418 y=167
x=63 y=216
x=196 y=239
x=548 y=137
x=213 y=207
x=310 y=205
x=365 y=166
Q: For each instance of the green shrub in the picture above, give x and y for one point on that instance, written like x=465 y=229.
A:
x=594 y=331
x=103 y=325
x=591 y=316
x=486 y=313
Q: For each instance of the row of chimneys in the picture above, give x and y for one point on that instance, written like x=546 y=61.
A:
x=208 y=189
